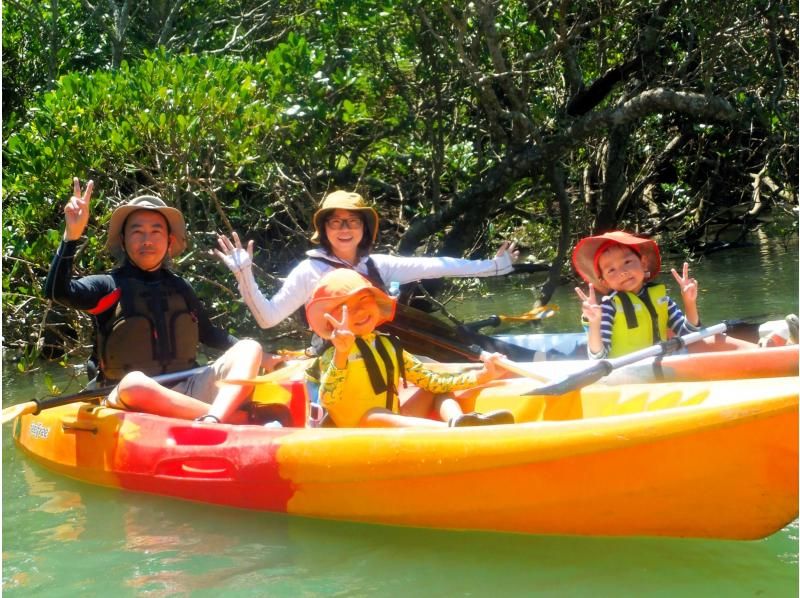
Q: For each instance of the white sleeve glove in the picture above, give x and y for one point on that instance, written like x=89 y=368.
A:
x=237 y=260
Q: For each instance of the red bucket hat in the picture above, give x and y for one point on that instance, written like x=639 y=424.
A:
x=334 y=289
x=589 y=249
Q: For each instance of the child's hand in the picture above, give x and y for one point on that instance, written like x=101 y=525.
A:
x=687 y=285
x=490 y=368
x=592 y=311
x=342 y=337
x=233 y=254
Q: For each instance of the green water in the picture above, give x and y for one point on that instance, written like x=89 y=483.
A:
x=64 y=538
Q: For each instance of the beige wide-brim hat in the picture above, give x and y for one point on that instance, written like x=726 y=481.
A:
x=177 y=225
x=334 y=289
x=344 y=200
x=588 y=251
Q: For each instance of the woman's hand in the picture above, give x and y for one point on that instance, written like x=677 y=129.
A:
x=592 y=311
x=233 y=254
x=76 y=212
x=510 y=248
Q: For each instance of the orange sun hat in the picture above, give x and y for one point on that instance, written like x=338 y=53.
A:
x=588 y=251
x=334 y=289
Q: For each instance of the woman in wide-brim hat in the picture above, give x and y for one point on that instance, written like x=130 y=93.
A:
x=346 y=228
x=350 y=202
x=587 y=254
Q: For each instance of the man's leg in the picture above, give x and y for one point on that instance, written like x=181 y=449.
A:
x=240 y=362
x=138 y=392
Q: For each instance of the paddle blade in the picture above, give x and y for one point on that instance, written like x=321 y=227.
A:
x=519 y=370
x=13 y=412
x=537 y=313
x=287 y=372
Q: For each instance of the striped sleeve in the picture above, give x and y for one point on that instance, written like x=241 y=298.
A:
x=606 y=324
x=676 y=321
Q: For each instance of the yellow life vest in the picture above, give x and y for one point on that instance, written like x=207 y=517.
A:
x=373 y=373
x=638 y=325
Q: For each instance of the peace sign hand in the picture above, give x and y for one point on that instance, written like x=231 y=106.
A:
x=233 y=255
x=76 y=212
x=687 y=284
x=592 y=311
x=342 y=337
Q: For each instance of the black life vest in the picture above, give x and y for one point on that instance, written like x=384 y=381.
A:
x=152 y=329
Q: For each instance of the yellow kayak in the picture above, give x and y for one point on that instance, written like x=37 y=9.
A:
x=699 y=459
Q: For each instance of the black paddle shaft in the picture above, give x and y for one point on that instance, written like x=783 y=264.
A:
x=424 y=334
x=101 y=391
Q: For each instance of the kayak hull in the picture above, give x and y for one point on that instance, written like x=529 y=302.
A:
x=711 y=365
x=712 y=460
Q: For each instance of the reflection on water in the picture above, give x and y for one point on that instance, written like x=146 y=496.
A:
x=65 y=538
x=143 y=544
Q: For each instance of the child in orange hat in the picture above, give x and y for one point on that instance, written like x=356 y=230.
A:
x=635 y=312
x=360 y=372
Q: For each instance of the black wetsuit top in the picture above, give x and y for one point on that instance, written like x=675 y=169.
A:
x=95 y=295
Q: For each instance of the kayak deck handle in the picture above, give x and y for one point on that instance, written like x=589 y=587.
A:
x=212 y=468
x=72 y=425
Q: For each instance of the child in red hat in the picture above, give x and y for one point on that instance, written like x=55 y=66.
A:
x=635 y=312
x=360 y=372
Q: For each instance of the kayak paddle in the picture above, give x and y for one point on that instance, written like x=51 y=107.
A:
x=603 y=367
x=36 y=405
x=275 y=376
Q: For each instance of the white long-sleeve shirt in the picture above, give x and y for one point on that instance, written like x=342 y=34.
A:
x=301 y=281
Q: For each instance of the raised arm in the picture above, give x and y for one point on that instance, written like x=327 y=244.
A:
x=76 y=212
x=688 y=287
x=592 y=314
x=407 y=269
x=267 y=312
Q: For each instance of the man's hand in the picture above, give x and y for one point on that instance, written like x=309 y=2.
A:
x=76 y=212
x=269 y=361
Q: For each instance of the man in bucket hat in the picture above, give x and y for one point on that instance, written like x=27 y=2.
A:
x=360 y=373
x=147 y=319
x=635 y=311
